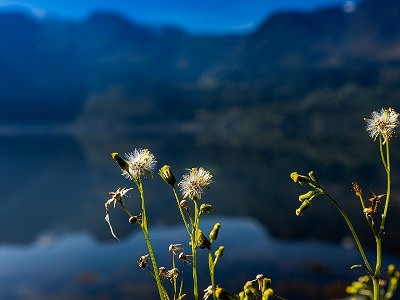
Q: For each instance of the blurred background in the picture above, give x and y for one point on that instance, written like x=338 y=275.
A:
x=251 y=90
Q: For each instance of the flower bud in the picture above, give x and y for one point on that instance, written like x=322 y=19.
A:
x=202 y=241
x=214 y=232
x=120 y=161
x=306 y=196
x=268 y=293
x=219 y=253
x=167 y=175
x=205 y=208
x=391 y=268
x=301 y=179
x=313 y=177
x=306 y=204
x=266 y=284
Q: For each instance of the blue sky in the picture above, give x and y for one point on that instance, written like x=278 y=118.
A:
x=218 y=16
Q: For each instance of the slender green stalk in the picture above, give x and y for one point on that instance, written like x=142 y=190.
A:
x=173 y=267
x=378 y=265
x=194 y=250
x=370 y=223
x=381 y=152
x=211 y=268
x=375 y=283
x=180 y=210
x=388 y=189
x=163 y=295
x=353 y=232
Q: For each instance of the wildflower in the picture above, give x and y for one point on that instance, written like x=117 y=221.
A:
x=141 y=163
x=142 y=262
x=382 y=123
x=183 y=257
x=172 y=274
x=174 y=248
x=115 y=197
x=219 y=253
x=162 y=273
x=193 y=184
x=167 y=175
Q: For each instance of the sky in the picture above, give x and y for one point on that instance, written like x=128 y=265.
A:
x=197 y=16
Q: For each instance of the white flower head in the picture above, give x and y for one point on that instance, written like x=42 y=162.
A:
x=382 y=123
x=194 y=182
x=141 y=163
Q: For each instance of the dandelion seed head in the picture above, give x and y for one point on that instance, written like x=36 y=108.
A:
x=194 y=182
x=382 y=123
x=141 y=163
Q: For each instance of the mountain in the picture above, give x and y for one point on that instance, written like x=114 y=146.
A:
x=107 y=69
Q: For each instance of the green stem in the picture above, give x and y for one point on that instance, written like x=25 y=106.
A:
x=381 y=151
x=211 y=268
x=353 y=232
x=388 y=189
x=173 y=267
x=163 y=295
x=180 y=210
x=194 y=250
x=375 y=283
x=378 y=265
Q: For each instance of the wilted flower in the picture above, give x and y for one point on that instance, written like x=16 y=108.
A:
x=142 y=262
x=162 y=273
x=184 y=205
x=194 y=182
x=134 y=219
x=382 y=123
x=172 y=274
x=202 y=241
x=115 y=197
x=141 y=163
x=208 y=292
x=183 y=257
x=174 y=248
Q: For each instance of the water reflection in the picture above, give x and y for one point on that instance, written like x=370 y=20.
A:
x=54 y=188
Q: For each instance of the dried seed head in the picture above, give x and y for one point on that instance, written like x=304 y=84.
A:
x=141 y=163
x=194 y=182
x=382 y=123
x=166 y=174
x=142 y=262
x=172 y=274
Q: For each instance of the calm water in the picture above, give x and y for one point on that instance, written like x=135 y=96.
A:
x=55 y=243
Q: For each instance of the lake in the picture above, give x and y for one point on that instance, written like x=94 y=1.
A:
x=56 y=244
